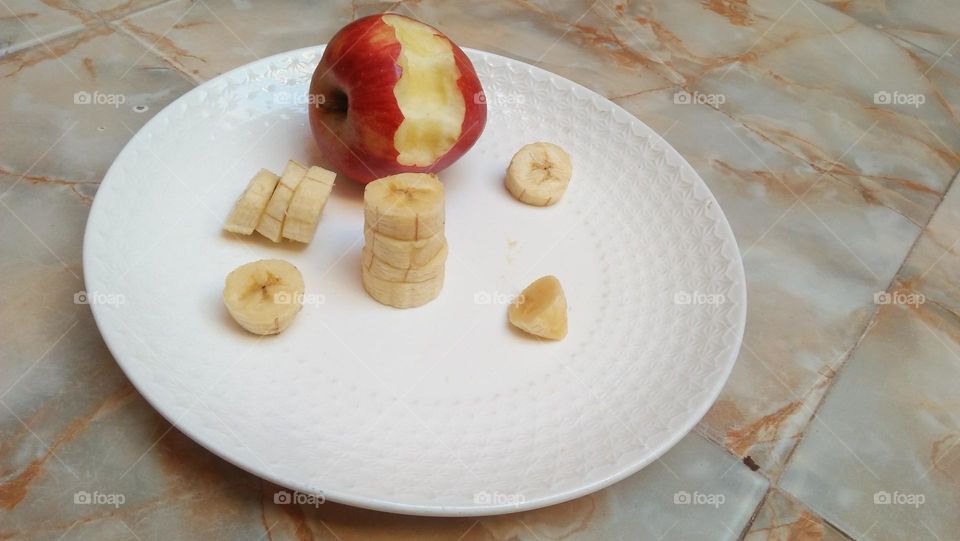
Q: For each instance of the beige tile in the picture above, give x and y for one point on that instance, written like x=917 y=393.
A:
x=71 y=114
x=205 y=39
x=879 y=462
x=28 y=23
x=815 y=251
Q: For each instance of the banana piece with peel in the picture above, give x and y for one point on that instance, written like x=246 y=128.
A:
x=264 y=296
x=247 y=210
x=539 y=174
x=405 y=250
x=541 y=309
x=306 y=205
x=271 y=222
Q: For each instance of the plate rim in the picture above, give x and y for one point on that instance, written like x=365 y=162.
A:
x=386 y=505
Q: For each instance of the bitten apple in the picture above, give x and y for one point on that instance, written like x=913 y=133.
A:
x=394 y=95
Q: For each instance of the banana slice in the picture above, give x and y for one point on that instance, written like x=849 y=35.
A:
x=401 y=294
x=403 y=253
x=385 y=271
x=265 y=296
x=247 y=210
x=539 y=174
x=408 y=206
x=541 y=309
x=307 y=204
x=271 y=222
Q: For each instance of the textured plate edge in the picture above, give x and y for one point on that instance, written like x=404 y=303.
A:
x=378 y=504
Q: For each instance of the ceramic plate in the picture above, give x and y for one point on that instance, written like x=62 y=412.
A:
x=442 y=409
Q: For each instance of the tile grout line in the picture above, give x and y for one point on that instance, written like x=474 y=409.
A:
x=113 y=24
x=826 y=394
x=126 y=34
x=83 y=26
x=756 y=511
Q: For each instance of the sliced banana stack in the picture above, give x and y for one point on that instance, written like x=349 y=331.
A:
x=265 y=296
x=405 y=251
x=287 y=206
x=539 y=174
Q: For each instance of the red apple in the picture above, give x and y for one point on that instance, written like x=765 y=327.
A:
x=394 y=95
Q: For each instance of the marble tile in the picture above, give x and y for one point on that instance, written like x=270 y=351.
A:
x=836 y=94
x=205 y=39
x=720 y=494
x=27 y=23
x=781 y=518
x=557 y=36
x=108 y=10
x=931 y=24
x=815 y=251
x=107 y=87
x=933 y=267
x=880 y=463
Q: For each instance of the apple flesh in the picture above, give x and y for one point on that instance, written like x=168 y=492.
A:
x=394 y=95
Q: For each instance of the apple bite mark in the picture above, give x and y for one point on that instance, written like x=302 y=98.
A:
x=427 y=93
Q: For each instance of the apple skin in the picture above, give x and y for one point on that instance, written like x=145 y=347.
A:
x=354 y=113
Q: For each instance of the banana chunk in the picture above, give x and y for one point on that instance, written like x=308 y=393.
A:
x=384 y=270
x=271 y=222
x=403 y=253
x=541 y=309
x=539 y=174
x=247 y=210
x=408 y=206
x=306 y=206
x=264 y=296
x=402 y=294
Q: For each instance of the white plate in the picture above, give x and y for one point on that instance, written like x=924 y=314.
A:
x=443 y=409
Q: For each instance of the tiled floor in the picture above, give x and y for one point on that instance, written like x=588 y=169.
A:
x=829 y=132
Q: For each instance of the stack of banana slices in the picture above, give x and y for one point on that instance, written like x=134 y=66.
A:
x=405 y=250
x=286 y=206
